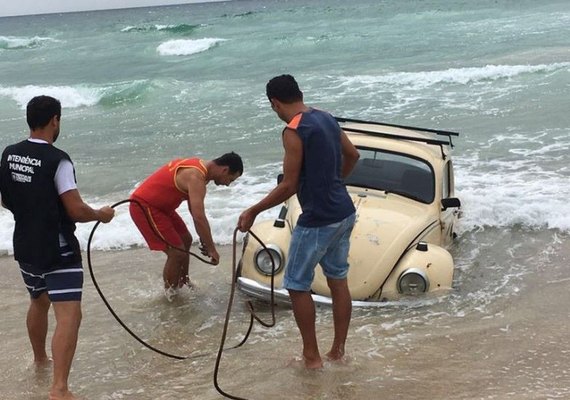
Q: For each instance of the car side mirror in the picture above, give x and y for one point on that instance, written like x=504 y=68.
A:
x=279 y=178
x=450 y=202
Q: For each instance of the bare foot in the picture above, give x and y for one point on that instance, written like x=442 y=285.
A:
x=337 y=357
x=43 y=364
x=315 y=363
x=62 y=395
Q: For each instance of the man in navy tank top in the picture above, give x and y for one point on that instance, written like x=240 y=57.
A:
x=318 y=155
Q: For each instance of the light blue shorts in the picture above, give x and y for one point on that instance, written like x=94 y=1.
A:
x=326 y=245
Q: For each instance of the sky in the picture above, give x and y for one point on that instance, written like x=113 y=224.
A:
x=26 y=7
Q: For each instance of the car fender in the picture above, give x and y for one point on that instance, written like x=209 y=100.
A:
x=432 y=260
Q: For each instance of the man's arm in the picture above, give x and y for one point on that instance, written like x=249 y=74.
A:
x=78 y=211
x=292 y=163
x=195 y=185
x=350 y=154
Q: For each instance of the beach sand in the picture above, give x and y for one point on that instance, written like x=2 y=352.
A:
x=516 y=349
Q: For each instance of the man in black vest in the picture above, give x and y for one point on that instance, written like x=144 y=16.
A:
x=37 y=183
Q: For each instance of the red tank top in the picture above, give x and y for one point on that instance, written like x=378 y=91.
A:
x=159 y=189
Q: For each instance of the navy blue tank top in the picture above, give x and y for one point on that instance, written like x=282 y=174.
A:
x=321 y=192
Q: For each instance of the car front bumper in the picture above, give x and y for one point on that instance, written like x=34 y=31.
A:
x=281 y=296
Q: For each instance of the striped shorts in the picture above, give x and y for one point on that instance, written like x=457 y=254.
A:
x=64 y=283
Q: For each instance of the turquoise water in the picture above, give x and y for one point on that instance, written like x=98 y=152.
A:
x=142 y=86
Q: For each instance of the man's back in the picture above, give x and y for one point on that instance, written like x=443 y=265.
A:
x=321 y=192
x=160 y=189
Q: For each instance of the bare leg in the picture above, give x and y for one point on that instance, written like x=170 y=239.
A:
x=37 y=323
x=64 y=342
x=173 y=271
x=304 y=311
x=185 y=278
x=342 y=311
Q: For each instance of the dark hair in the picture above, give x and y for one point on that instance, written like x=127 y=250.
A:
x=231 y=160
x=284 y=88
x=40 y=110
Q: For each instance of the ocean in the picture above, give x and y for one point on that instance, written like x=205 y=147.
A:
x=142 y=86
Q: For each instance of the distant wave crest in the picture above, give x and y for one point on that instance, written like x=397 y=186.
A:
x=183 y=47
x=81 y=96
x=17 y=43
x=240 y=15
x=179 y=28
x=463 y=76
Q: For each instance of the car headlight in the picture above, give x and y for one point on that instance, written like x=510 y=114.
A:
x=413 y=281
x=262 y=260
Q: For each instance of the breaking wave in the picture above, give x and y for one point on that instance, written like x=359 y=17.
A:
x=186 y=47
x=17 y=43
x=528 y=187
x=121 y=233
x=462 y=76
x=182 y=29
x=81 y=95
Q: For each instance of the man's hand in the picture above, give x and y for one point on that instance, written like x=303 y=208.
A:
x=246 y=220
x=213 y=254
x=106 y=214
x=203 y=249
x=214 y=257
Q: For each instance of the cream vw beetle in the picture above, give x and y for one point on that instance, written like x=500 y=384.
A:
x=403 y=191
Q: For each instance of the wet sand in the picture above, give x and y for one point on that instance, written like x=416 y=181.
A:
x=513 y=346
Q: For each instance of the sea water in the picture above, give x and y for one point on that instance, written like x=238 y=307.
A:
x=142 y=86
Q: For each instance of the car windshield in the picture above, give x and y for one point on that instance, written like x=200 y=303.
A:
x=393 y=173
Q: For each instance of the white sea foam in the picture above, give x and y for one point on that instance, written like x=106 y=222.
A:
x=157 y=27
x=70 y=97
x=463 y=76
x=223 y=207
x=180 y=28
x=77 y=96
x=509 y=193
x=186 y=47
x=493 y=194
x=17 y=42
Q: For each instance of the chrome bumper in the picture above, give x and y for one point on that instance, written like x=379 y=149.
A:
x=281 y=296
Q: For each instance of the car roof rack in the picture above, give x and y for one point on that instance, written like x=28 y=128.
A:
x=449 y=134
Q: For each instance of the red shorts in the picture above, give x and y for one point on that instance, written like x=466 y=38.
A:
x=167 y=227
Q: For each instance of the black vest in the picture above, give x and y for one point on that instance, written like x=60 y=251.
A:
x=27 y=172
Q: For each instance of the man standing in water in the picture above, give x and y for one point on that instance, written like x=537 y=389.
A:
x=318 y=154
x=37 y=183
x=155 y=202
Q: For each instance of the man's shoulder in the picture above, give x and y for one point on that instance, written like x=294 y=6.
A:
x=13 y=145
x=60 y=151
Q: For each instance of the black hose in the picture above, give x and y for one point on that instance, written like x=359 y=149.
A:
x=253 y=315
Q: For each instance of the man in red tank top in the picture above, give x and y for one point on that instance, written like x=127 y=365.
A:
x=161 y=194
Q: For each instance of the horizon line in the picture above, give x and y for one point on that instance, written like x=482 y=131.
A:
x=187 y=2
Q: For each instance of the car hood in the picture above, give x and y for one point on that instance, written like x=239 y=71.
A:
x=386 y=225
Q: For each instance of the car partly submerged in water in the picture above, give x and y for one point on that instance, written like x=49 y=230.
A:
x=403 y=190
